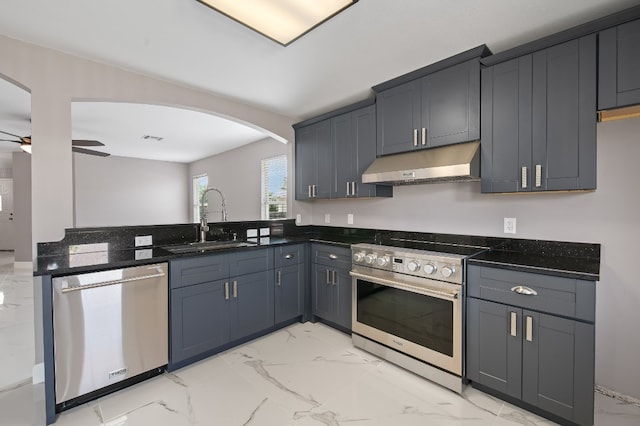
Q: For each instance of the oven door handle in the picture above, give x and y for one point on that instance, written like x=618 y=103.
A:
x=426 y=291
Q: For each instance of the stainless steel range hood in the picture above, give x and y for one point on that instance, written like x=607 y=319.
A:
x=452 y=163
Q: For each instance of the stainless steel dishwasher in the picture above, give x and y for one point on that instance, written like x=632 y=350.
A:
x=110 y=329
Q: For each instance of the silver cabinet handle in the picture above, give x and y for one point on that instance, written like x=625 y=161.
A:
x=235 y=289
x=538 y=175
x=353 y=188
x=514 y=324
x=333 y=273
x=524 y=290
x=278 y=278
x=524 y=177
x=226 y=290
x=415 y=137
x=333 y=256
x=315 y=191
x=328 y=278
x=424 y=136
x=529 y=329
x=349 y=189
x=309 y=190
x=289 y=256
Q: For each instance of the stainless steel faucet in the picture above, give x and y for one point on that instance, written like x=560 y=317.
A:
x=204 y=227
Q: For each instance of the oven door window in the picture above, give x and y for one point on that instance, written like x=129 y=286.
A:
x=424 y=320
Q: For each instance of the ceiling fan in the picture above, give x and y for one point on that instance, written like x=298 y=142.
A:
x=76 y=144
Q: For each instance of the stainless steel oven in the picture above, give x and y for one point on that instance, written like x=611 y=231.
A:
x=407 y=307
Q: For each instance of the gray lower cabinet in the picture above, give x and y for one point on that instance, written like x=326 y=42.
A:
x=539 y=120
x=217 y=299
x=331 y=284
x=532 y=338
x=619 y=66
x=290 y=275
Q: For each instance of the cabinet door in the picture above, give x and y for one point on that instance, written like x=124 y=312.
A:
x=344 y=157
x=322 y=292
x=564 y=118
x=558 y=359
x=324 y=160
x=619 y=66
x=451 y=104
x=289 y=292
x=494 y=346
x=199 y=320
x=398 y=117
x=343 y=297
x=305 y=162
x=252 y=304
x=506 y=126
x=363 y=128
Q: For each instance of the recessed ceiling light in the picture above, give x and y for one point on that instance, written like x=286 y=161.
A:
x=152 y=138
x=283 y=21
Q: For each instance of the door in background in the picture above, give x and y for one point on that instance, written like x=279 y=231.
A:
x=6 y=215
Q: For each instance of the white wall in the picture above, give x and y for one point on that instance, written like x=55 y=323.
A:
x=55 y=79
x=237 y=173
x=609 y=216
x=22 y=206
x=119 y=191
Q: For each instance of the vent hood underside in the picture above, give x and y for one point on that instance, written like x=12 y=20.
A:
x=451 y=163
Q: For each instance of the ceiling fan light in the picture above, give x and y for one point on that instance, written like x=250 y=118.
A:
x=26 y=148
x=280 y=20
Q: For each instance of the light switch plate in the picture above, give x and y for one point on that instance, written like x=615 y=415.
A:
x=509 y=225
x=264 y=232
x=350 y=219
x=298 y=219
x=144 y=240
x=327 y=218
x=252 y=233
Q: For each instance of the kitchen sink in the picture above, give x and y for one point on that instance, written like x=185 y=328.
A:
x=199 y=247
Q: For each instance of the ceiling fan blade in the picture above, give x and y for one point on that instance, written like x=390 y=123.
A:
x=89 y=152
x=10 y=134
x=86 y=142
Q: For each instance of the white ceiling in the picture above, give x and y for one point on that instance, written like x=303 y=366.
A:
x=333 y=65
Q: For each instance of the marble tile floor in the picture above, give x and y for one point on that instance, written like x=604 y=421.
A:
x=306 y=374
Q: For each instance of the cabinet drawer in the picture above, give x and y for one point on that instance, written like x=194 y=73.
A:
x=248 y=261
x=289 y=255
x=555 y=295
x=330 y=255
x=197 y=270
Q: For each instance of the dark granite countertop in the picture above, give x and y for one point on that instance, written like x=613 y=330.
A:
x=567 y=259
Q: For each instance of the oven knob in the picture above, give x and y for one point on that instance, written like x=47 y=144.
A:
x=413 y=265
x=447 y=271
x=370 y=258
x=383 y=261
x=429 y=268
x=359 y=256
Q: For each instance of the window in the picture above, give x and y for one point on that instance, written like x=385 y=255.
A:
x=274 y=187
x=200 y=183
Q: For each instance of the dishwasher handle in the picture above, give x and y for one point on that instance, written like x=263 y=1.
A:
x=113 y=282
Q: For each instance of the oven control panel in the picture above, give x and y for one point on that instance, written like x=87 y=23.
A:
x=434 y=265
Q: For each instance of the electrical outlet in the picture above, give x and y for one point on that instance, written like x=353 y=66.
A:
x=327 y=218
x=350 y=219
x=144 y=240
x=509 y=225
x=298 y=219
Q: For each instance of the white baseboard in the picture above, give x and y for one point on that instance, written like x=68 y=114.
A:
x=617 y=395
x=23 y=265
x=38 y=373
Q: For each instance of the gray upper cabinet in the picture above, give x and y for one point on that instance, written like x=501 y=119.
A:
x=441 y=108
x=536 y=346
x=332 y=154
x=314 y=169
x=539 y=120
x=354 y=149
x=619 y=66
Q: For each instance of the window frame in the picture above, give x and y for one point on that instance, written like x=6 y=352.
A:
x=280 y=202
